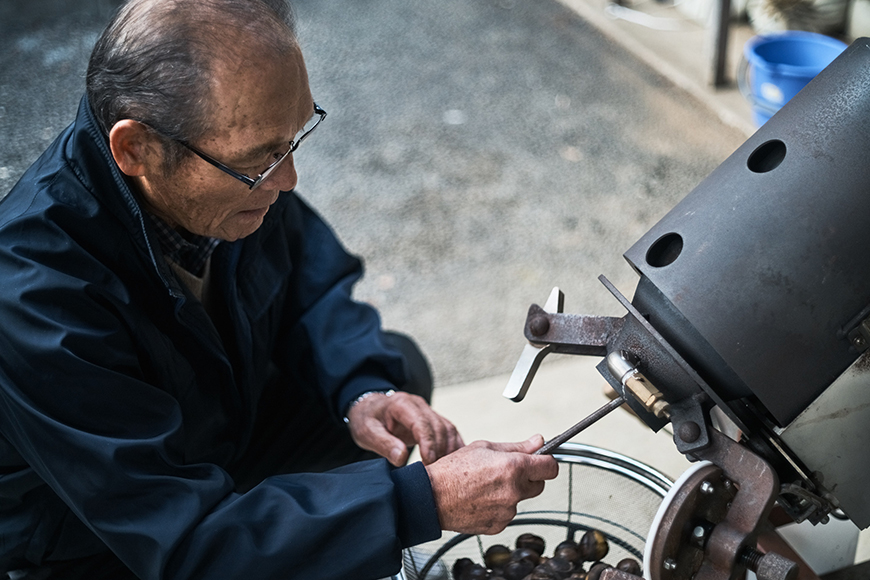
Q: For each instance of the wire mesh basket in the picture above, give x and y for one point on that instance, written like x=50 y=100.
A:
x=596 y=489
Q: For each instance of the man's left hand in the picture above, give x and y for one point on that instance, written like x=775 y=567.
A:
x=390 y=425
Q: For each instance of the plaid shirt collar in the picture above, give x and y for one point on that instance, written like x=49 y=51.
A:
x=189 y=251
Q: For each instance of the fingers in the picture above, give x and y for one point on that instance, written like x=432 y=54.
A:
x=369 y=430
x=477 y=488
x=389 y=425
x=374 y=436
x=435 y=435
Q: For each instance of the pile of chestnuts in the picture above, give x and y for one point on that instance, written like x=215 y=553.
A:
x=528 y=562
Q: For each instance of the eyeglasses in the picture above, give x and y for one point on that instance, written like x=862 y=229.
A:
x=310 y=126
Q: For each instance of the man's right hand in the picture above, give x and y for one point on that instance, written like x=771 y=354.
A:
x=477 y=487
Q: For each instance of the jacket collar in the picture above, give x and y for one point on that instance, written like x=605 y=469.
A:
x=89 y=155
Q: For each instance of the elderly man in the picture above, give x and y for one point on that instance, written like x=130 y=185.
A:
x=182 y=370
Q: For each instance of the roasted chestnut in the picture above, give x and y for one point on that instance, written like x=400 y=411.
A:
x=531 y=542
x=475 y=572
x=560 y=567
x=629 y=565
x=527 y=555
x=459 y=566
x=593 y=546
x=497 y=556
x=568 y=550
x=528 y=562
x=541 y=573
x=596 y=570
x=517 y=569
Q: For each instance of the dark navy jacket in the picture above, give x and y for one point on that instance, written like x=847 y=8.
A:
x=122 y=409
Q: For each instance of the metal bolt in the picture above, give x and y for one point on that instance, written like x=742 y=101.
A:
x=699 y=532
x=670 y=564
x=539 y=325
x=690 y=432
x=770 y=566
x=707 y=488
x=859 y=341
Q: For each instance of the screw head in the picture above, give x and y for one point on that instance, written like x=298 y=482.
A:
x=670 y=564
x=707 y=488
x=699 y=532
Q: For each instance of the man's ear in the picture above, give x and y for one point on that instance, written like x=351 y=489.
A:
x=134 y=147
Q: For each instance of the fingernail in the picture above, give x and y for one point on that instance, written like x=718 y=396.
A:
x=396 y=455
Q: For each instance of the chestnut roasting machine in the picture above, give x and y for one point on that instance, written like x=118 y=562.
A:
x=753 y=302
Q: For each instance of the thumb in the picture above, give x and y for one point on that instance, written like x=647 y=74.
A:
x=529 y=446
x=533 y=443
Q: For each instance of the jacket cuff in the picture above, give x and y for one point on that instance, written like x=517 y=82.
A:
x=417 y=517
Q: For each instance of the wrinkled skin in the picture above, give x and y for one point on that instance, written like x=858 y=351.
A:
x=390 y=425
x=477 y=488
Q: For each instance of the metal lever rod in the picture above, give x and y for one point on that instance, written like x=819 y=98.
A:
x=553 y=443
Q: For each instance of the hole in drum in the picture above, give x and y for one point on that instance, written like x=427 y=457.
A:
x=665 y=251
x=767 y=157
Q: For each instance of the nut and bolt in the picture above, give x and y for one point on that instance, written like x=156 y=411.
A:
x=670 y=565
x=707 y=488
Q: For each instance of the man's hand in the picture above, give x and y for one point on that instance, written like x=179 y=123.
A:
x=389 y=425
x=477 y=488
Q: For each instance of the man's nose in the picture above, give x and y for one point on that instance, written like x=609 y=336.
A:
x=284 y=178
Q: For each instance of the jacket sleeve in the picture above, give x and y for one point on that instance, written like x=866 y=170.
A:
x=75 y=405
x=328 y=338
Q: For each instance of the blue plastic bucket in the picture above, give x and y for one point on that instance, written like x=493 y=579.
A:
x=780 y=65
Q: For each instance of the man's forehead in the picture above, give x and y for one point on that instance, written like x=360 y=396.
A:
x=253 y=143
x=259 y=107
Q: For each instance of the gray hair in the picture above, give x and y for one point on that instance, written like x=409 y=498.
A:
x=155 y=62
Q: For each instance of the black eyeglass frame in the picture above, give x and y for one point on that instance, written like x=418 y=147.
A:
x=254 y=182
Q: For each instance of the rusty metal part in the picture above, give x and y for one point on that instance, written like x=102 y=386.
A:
x=673 y=556
x=730 y=499
x=770 y=566
x=571 y=333
x=616 y=574
x=551 y=445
